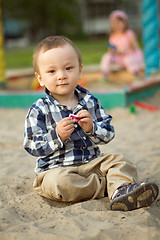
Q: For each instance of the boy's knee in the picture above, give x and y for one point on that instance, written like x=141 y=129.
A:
x=55 y=177
x=55 y=183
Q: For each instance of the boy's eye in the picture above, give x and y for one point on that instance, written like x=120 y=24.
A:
x=69 y=68
x=52 y=71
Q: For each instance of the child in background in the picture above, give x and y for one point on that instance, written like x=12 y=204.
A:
x=64 y=129
x=123 y=47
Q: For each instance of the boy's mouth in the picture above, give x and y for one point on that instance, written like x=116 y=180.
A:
x=62 y=84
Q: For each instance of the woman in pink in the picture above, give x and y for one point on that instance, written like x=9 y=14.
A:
x=123 y=47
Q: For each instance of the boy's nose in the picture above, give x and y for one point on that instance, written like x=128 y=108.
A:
x=61 y=75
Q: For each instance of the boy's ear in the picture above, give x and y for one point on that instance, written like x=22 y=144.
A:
x=39 y=79
x=80 y=71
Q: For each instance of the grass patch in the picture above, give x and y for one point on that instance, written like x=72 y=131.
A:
x=92 y=51
x=17 y=58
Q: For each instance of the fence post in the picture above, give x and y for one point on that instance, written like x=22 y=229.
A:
x=150 y=36
x=2 y=61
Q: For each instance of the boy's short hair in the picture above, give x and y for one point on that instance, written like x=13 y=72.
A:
x=53 y=42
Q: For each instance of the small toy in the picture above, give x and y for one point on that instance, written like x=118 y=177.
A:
x=74 y=117
x=35 y=85
x=146 y=106
x=132 y=109
x=111 y=46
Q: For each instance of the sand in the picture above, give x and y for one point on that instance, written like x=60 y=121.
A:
x=25 y=215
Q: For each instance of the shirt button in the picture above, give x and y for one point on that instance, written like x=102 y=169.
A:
x=84 y=138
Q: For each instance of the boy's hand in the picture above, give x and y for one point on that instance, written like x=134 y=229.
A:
x=65 y=127
x=85 y=121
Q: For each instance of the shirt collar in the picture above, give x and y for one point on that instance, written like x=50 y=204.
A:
x=81 y=93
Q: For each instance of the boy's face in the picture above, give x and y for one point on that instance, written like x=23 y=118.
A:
x=59 y=70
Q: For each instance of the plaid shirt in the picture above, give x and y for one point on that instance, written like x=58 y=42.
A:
x=42 y=140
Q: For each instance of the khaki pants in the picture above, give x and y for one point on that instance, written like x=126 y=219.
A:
x=86 y=181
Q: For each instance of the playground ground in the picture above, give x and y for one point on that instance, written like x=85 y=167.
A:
x=25 y=215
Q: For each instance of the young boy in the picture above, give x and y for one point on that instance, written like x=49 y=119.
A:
x=70 y=167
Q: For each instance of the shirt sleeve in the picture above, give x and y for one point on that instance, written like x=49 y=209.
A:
x=40 y=140
x=103 y=131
